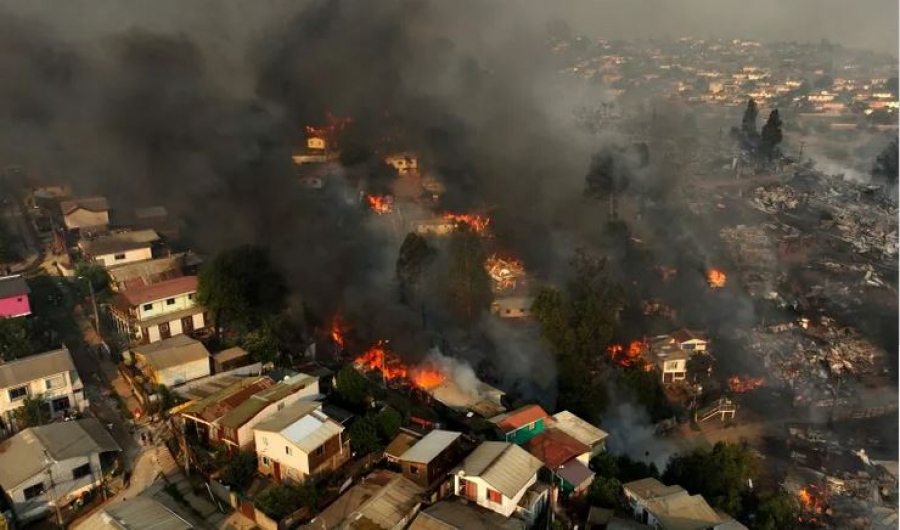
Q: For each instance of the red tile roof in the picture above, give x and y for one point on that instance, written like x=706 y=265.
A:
x=161 y=290
x=519 y=418
x=554 y=448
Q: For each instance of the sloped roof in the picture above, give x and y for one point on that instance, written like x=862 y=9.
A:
x=505 y=466
x=400 y=444
x=174 y=351
x=684 y=335
x=429 y=447
x=21 y=371
x=22 y=456
x=673 y=506
x=93 y=204
x=137 y=513
x=647 y=488
x=311 y=430
x=387 y=508
x=454 y=515
x=13 y=286
x=574 y=472
x=262 y=399
x=230 y=354
x=223 y=400
x=121 y=242
x=159 y=291
x=554 y=447
x=518 y=418
x=578 y=428
x=137 y=274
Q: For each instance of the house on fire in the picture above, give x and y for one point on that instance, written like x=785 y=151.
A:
x=300 y=440
x=120 y=248
x=51 y=375
x=520 y=425
x=14 y=301
x=230 y=414
x=54 y=464
x=85 y=214
x=158 y=311
x=172 y=362
x=429 y=460
x=499 y=476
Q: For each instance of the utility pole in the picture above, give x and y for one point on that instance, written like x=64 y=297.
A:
x=93 y=302
x=50 y=462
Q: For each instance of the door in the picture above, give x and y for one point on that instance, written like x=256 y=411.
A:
x=187 y=324
x=276 y=470
x=164 y=331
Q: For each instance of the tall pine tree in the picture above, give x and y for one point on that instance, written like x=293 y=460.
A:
x=771 y=135
x=468 y=286
x=748 y=123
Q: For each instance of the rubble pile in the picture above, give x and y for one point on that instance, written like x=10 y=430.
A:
x=775 y=198
x=756 y=255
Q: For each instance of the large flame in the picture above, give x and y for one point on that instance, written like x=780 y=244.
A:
x=379 y=359
x=716 y=278
x=738 y=385
x=631 y=356
x=479 y=223
x=504 y=272
x=381 y=204
x=337 y=330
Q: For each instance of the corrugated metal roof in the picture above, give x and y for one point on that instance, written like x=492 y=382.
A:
x=455 y=515
x=554 y=447
x=174 y=351
x=429 y=447
x=22 y=456
x=574 y=472
x=311 y=431
x=285 y=417
x=121 y=242
x=159 y=291
x=519 y=418
x=137 y=513
x=93 y=204
x=21 y=371
x=387 y=509
x=579 y=429
x=253 y=406
x=505 y=466
x=13 y=286
x=400 y=445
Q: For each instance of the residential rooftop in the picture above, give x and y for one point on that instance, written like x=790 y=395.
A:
x=13 y=286
x=429 y=447
x=27 y=369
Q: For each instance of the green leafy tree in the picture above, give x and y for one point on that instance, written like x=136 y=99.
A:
x=720 y=474
x=239 y=470
x=415 y=256
x=96 y=275
x=241 y=288
x=468 y=286
x=779 y=511
x=885 y=166
x=34 y=411
x=14 y=339
x=282 y=500
x=352 y=387
x=606 y=492
x=771 y=135
x=167 y=399
x=622 y=467
x=364 y=437
x=389 y=421
x=648 y=391
x=9 y=250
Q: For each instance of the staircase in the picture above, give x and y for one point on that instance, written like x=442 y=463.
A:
x=723 y=407
x=198 y=505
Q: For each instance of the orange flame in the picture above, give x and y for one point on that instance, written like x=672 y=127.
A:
x=337 y=330
x=631 y=356
x=379 y=359
x=479 y=223
x=806 y=499
x=716 y=278
x=739 y=386
x=381 y=204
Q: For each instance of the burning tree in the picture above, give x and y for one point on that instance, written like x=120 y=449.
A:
x=478 y=223
x=380 y=204
x=739 y=386
x=716 y=278
x=631 y=356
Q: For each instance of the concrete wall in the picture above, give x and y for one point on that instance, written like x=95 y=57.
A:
x=162 y=307
x=183 y=373
x=108 y=260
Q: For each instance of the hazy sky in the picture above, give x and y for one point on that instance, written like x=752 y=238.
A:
x=869 y=24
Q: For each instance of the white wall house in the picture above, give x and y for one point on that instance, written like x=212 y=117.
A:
x=300 y=440
x=496 y=476
x=672 y=507
x=50 y=465
x=172 y=361
x=51 y=375
x=158 y=311
x=85 y=213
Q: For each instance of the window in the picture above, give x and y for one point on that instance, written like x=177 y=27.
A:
x=190 y=296
x=494 y=496
x=18 y=393
x=287 y=450
x=265 y=461
x=281 y=405
x=413 y=470
x=319 y=451
x=148 y=307
x=81 y=471
x=170 y=301
x=119 y=257
x=265 y=441
x=53 y=383
x=34 y=491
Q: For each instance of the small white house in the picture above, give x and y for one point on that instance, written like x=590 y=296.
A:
x=496 y=476
x=116 y=249
x=173 y=361
x=47 y=466
x=51 y=375
x=158 y=311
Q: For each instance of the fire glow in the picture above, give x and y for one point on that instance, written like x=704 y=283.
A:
x=379 y=359
x=716 y=278
x=337 y=331
x=335 y=124
x=739 y=386
x=479 y=223
x=504 y=272
x=631 y=356
x=380 y=204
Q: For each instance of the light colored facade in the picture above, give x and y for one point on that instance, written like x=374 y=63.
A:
x=404 y=163
x=673 y=508
x=51 y=375
x=86 y=213
x=172 y=362
x=158 y=311
x=496 y=476
x=300 y=440
x=52 y=464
